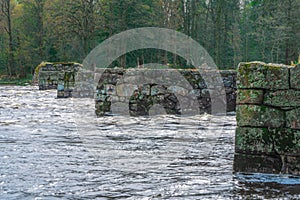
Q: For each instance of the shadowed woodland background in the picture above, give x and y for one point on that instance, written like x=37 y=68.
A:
x=231 y=31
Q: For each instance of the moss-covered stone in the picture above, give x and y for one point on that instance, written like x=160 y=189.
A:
x=259 y=116
x=103 y=108
x=259 y=75
x=292 y=165
x=268 y=132
x=282 y=141
x=257 y=163
x=143 y=89
x=295 y=77
x=278 y=77
x=148 y=95
x=250 y=96
x=293 y=119
x=253 y=140
x=286 y=141
x=282 y=98
x=274 y=164
x=54 y=75
x=252 y=75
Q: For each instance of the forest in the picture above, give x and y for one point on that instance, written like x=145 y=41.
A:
x=232 y=31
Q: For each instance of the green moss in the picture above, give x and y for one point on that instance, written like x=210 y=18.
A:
x=283 y=98
x=285 y=141
x=249 y=96
x=259 y=116
x=267 y=140
x=258 y=75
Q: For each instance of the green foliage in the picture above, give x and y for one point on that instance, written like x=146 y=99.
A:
x=231 y=31
x=16 y=81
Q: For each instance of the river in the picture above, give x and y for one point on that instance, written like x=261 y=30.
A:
x=49 y=150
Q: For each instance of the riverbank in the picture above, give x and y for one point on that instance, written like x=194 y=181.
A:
x=5 y=80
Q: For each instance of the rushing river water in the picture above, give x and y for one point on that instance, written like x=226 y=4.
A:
x=47 y=151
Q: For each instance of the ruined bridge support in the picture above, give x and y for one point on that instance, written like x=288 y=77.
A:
x=268 y=104
x=176 y=91
x=58 y=75
x=268 y=119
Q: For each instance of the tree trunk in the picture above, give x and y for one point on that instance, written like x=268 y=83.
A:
x=6 y=9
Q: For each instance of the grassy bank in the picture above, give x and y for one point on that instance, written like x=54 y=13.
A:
x=4 y=80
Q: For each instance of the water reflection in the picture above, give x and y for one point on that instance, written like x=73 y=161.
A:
x=45 y=154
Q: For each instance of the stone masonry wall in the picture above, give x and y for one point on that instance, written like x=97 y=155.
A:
x=60 y=76
x=268 y=119
x=135 y=92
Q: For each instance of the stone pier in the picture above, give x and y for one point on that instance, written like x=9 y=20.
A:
x=59 y=75
x=174 y=91
x=268 y=119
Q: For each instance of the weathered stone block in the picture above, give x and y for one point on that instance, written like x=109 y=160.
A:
x=250 y=96
x=103 y=108
x=268 y=111
x=258 y=75
x=125 y=90
x=283 y=98
x=50 y=74
x=295 y=77
x=287 y=142
x=293 y=119
x=230 y=101
x=252 y=75
x=259 y=116
x=185 y=84
x=278 y=77
x=270 y=141
x=253 y=140
x=178 y=90
x=266 y=164
x=132 y=78
x=257 y=163
x=158 y=90
x=291 y=165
